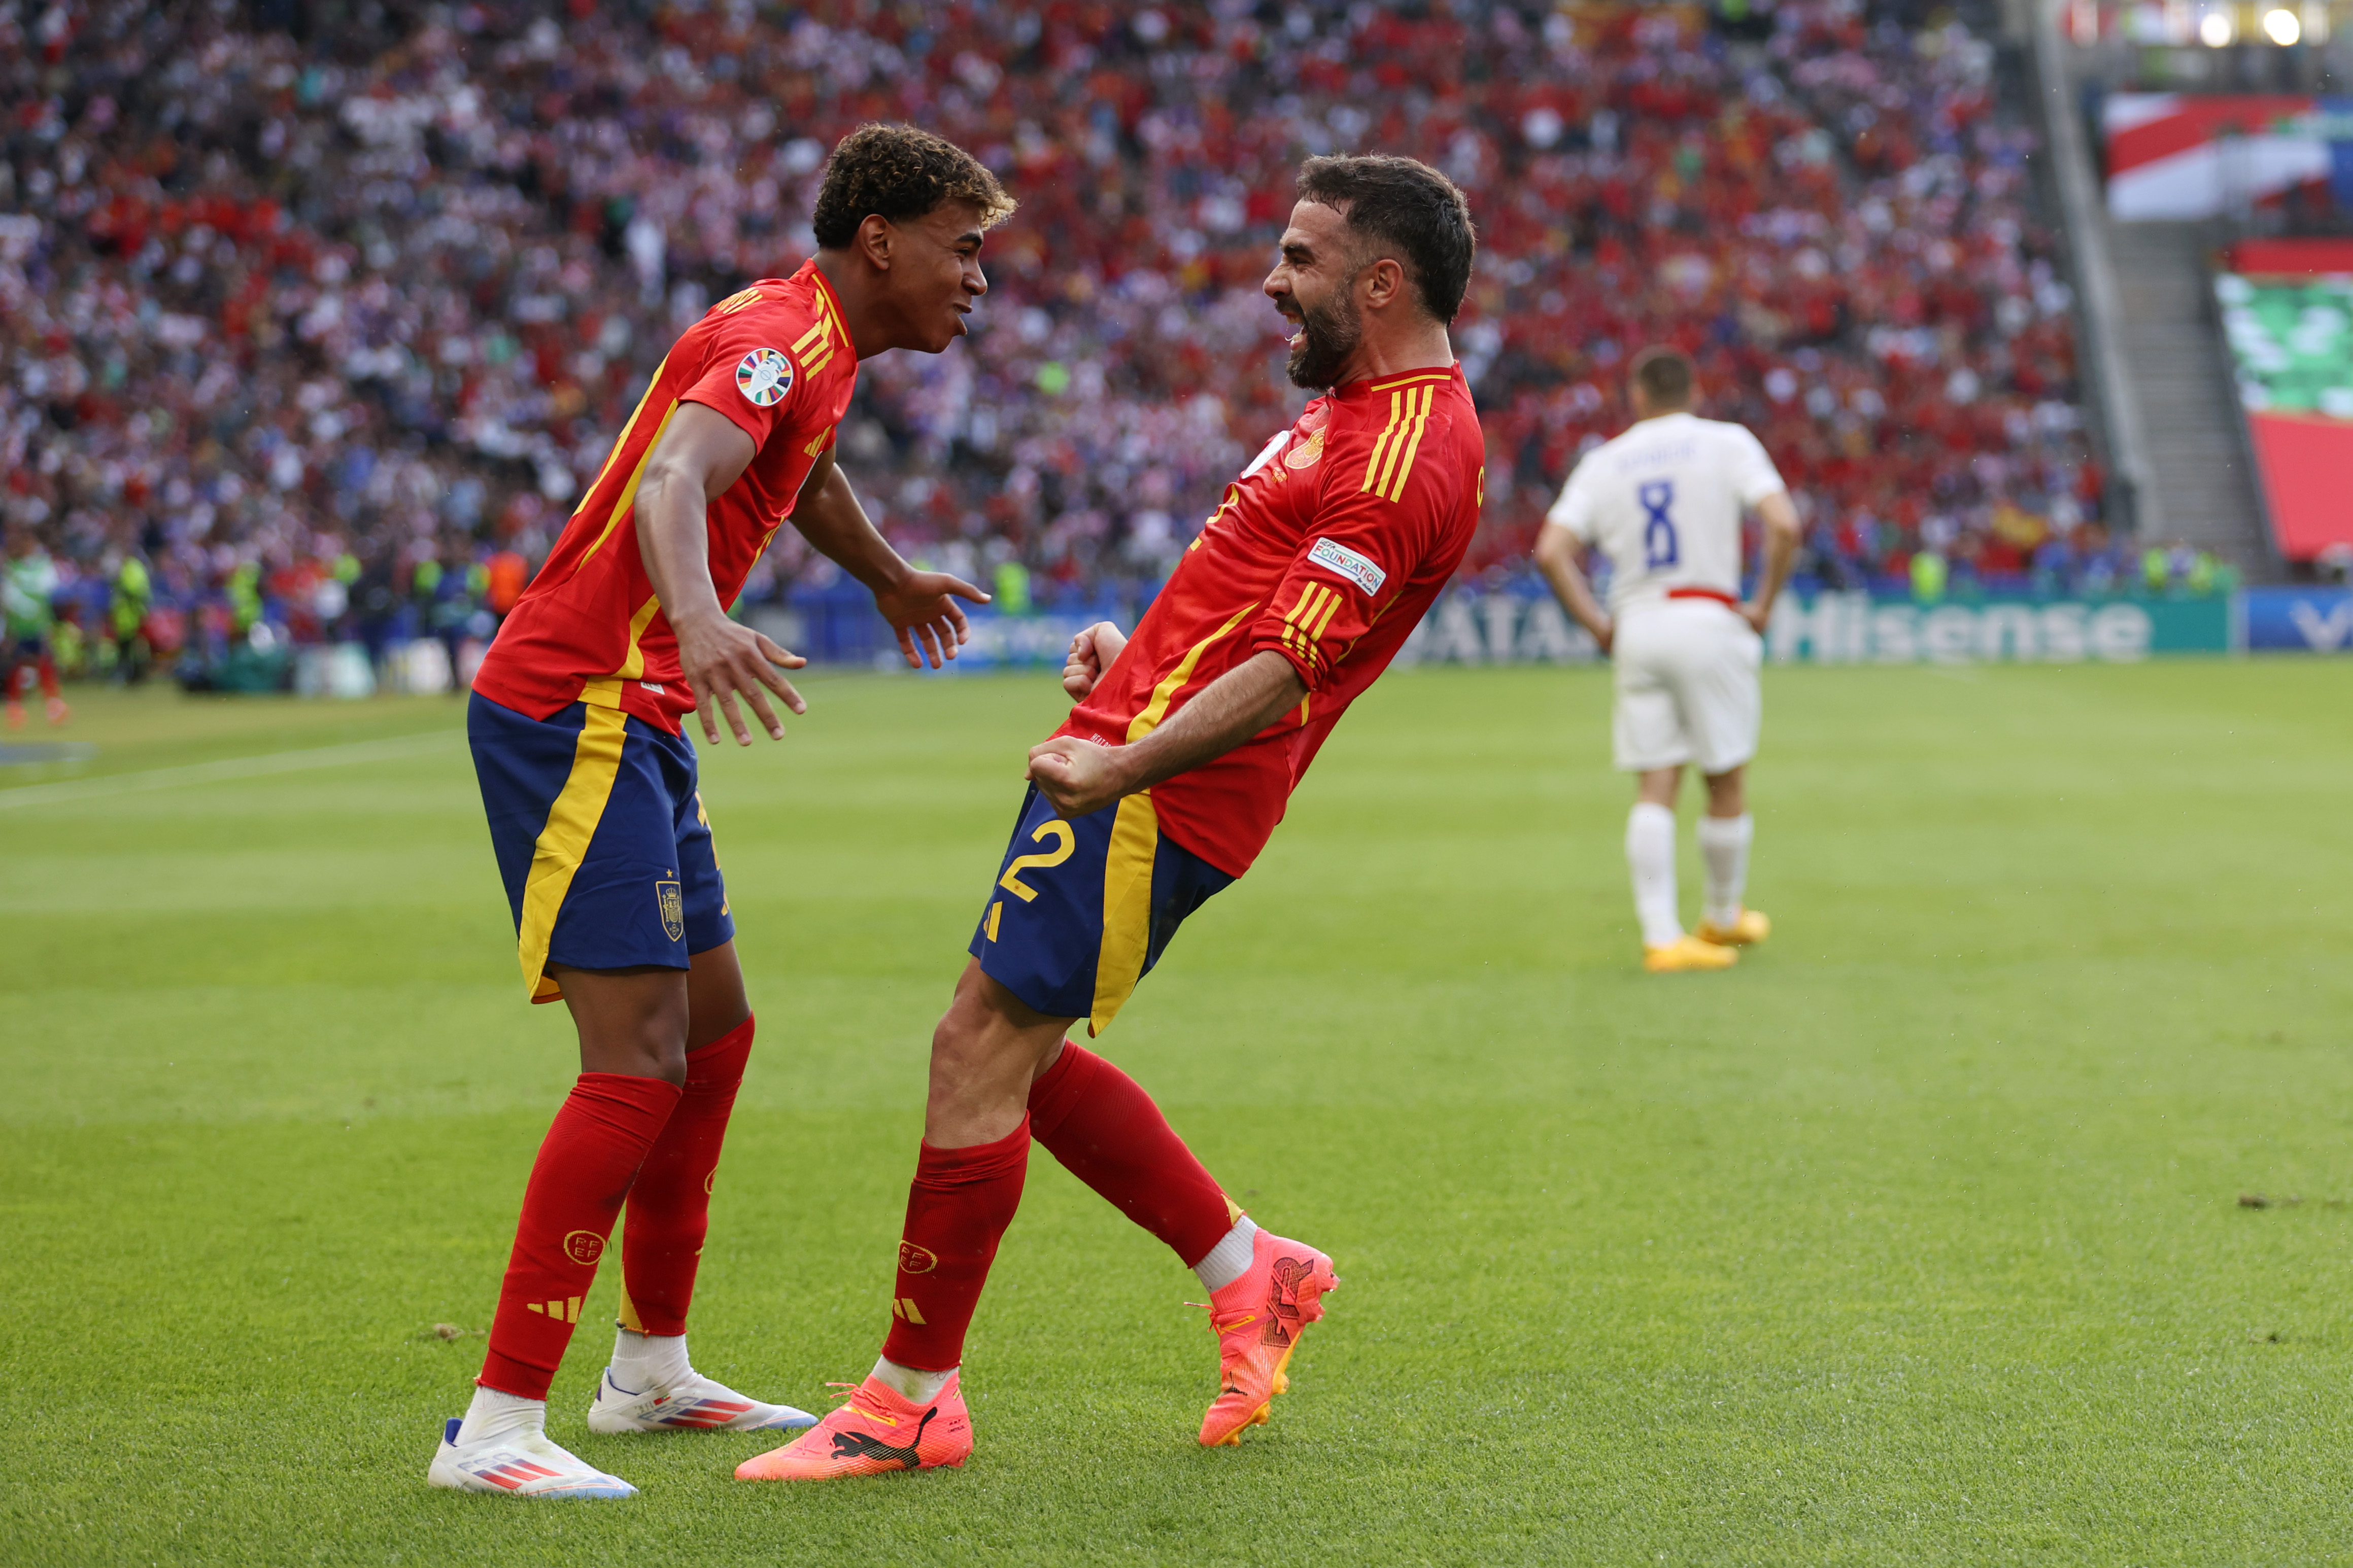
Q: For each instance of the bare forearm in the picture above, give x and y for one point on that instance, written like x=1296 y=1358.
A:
x=1236 y=706
x=1560 y=567
x=1780 y=549
x=838 y=527
x=674 y=542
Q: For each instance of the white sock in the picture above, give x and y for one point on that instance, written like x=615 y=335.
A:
x=1229 y=1259
x=1723 y=846
x=916 y=1387
x=1650 y=856
x=496 y=1414
x=641 y=1361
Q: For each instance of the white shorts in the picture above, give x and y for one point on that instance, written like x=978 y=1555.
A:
x=1687 y=688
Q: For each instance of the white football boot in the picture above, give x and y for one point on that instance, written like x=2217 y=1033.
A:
x=521 y=1462
x=691 y=1403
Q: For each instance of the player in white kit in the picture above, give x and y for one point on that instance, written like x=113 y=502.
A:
x=1663 y=501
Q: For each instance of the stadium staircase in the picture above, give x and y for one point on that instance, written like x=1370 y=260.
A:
x=2172 y=348
x=2155 y=363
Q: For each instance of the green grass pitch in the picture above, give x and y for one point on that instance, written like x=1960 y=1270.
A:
x=1915 y=1239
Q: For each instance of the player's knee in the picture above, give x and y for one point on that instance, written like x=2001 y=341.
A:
x=648 y=1045
x=974 y=1052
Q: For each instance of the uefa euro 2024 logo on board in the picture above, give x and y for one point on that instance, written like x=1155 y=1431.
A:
x=763 y=375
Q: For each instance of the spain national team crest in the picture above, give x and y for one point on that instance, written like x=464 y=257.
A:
x=673 y=909
x=584 y=1247
x=917 y=1259
x=1306 y=455
x=763 y=375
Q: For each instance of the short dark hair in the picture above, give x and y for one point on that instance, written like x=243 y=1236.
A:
x=900 y=173
x=1407 y=204
x=1666 y=376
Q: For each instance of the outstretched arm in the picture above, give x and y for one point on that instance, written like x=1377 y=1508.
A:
x=701 y=454
x=1557 y=559
x=1781 y=518
x=920 y=605
x=1080 y=777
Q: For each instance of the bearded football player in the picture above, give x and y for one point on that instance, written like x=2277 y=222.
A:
x=1161 y=789
x=600 y=831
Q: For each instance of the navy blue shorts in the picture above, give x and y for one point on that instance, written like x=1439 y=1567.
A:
x=1082 y=910
x=601 y=837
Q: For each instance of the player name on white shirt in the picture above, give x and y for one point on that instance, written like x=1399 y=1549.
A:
x=1663 y=501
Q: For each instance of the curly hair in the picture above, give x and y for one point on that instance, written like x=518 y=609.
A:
x=1409 y=210
x=900 y=173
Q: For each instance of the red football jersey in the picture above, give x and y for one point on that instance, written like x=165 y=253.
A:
x=777 y=361
x=1328 y=551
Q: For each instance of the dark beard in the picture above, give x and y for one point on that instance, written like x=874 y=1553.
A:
x=1332 y=335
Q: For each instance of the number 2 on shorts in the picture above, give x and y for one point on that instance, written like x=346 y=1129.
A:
x=1058 y=830
x=1658 y=527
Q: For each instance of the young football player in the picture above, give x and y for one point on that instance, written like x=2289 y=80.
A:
x=1160 y=790
x=1663 y=503
x=601 y=835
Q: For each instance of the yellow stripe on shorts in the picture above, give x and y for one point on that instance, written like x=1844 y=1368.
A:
x=564 y=842
x=1127 y=909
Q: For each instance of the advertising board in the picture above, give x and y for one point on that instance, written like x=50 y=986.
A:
x=1505 y=627
x=2299 y=620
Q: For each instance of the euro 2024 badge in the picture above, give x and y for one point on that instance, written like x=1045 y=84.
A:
x=763 y=375
x=673 y=909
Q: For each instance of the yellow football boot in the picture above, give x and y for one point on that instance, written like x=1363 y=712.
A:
x=1750 y=929
x=1687 y=953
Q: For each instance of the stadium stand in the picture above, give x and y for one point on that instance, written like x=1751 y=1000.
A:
x=323 y=326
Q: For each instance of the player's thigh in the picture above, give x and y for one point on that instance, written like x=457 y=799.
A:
x=716 y=1002
x=1082 y=908
x=600 y=888
x=714 y=979
x=631 y=1021
x=1723 y=699
x=1646 y=728
x=1041 y=928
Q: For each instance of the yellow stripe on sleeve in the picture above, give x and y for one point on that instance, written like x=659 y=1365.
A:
x=564 y=842
x=1396 y=445
x=1330 y=605
x=1396 y=491
x=1373 y=465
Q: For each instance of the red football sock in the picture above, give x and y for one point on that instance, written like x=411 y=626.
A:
x=48 y=668
x=1107 y=1132
x=669 y=1208
x=586 y=1164
x=957 y=1210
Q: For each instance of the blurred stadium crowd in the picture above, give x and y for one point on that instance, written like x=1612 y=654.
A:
x=315 y=317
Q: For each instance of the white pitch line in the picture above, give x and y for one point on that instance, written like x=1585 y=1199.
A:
x=226 y=768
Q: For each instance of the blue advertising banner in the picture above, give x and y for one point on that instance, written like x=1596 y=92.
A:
x=2305 y=620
